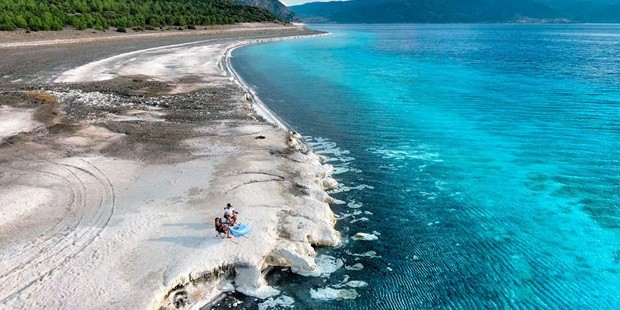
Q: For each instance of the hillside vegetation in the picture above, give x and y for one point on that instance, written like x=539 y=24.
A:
x=101 y=14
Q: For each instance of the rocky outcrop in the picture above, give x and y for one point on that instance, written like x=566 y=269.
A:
x=274 y=6
x=284 y=234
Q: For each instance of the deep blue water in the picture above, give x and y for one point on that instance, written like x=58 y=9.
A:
x=484 y=157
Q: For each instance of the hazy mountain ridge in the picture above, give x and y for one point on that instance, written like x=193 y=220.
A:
x=459 y=11
x=274 y=6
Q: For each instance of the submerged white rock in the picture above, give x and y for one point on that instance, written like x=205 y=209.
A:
x=357 y=266
x=370 y=254
x=329 y=293
x=364 y=236
x=356 y=284
x=329 y=183
x=282 y=302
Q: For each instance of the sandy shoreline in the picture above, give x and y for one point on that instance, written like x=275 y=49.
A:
x=259 y=107
x=19 y=38
x=109 y=186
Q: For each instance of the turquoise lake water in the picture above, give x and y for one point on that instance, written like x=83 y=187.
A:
x=485 y=158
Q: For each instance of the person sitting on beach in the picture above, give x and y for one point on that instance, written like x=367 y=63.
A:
x=230 y=214
x=221 y=228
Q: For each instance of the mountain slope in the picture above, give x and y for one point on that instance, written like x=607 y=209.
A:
x=457 y=11
x=274 y=6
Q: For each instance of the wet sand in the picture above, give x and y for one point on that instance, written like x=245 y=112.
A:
x=115 y=160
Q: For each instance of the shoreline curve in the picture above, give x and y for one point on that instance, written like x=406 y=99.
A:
x=259 y=106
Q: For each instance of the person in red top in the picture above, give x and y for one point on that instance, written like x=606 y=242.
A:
x=221 y=228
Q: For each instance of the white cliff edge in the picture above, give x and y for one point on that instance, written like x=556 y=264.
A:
x=283 y=233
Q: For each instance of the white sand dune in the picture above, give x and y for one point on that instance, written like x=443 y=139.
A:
x=91 y=231
x=167 y=63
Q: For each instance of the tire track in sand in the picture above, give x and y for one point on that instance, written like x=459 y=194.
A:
x=92 y=201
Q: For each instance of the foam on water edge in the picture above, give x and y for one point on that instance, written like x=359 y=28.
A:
x=325 y=266
x=360 y=219
x=282 y=302
x=407 y=152
x=370 y=254
x=333 y=154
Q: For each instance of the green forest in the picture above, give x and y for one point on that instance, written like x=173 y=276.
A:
x=38 y=15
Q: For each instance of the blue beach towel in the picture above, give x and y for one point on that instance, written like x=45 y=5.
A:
x=239 y=230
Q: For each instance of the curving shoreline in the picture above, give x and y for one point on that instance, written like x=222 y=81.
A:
x=259 y=106
x=173 y=148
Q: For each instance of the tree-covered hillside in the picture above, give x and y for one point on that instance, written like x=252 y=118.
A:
x=102 y=14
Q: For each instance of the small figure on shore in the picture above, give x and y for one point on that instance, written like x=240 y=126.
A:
x=221 y=228
x=230 y=214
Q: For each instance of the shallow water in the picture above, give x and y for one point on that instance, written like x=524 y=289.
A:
x=485 y=158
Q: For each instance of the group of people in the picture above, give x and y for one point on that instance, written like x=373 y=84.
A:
x=230 y=215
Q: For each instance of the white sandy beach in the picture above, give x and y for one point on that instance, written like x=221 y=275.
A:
x=81 y=229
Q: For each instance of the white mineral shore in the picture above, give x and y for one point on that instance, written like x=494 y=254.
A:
x=92 y=231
